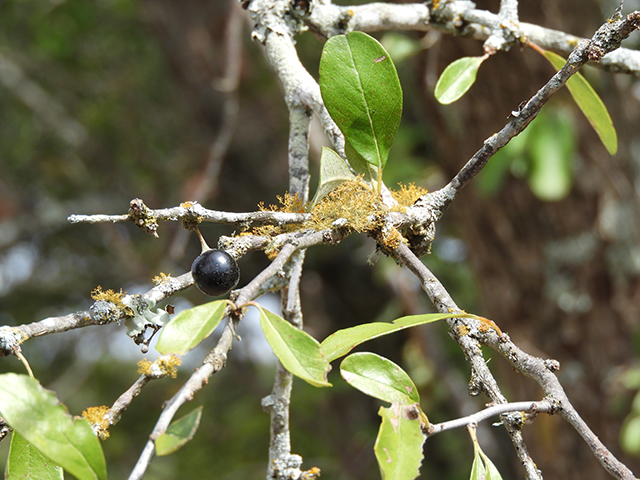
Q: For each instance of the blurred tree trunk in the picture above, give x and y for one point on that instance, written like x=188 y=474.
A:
x=558 y=276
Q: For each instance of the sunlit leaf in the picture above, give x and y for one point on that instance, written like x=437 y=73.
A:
x=25 y=462
x=298 y=351
x=361 y=90
x=179 y=432
x=457 y=78
x=333 y=171
x=379 y=377
x=190 y=327
x=343 y=341
x=37 y=415
x=398 y=447
x=590 y=103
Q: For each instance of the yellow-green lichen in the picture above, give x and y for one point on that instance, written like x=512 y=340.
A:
x=96 y=416
x=408 y=194
x=162 y=367
x=161 y=279
x=109 y=296
x=353 y=201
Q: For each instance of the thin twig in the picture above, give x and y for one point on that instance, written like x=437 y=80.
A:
x=607 y=38
x=195 y=211
x=521 y=407
x=469 y=334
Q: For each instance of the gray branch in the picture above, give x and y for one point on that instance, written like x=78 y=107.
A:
x=469 y=334
x=522 y=408
x=459 y=18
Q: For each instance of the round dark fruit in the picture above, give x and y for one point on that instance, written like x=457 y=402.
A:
x=215 y=272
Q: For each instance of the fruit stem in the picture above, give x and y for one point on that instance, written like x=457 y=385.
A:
x=205 y=247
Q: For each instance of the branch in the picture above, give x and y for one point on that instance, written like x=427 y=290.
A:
x=482 y=379
x=507 y=32
x=213 y=363
x=469 y=333
x=457 y=18
x=100 y=313
x=276 y=25
x=543 y=406
x=607 y=38
x=190 y=213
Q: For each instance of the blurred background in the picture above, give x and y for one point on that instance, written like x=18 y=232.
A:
x=102 y=102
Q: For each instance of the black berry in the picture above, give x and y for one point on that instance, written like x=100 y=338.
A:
x=215 y=272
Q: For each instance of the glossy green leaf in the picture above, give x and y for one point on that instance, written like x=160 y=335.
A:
x=398 y=447
x=179 y=433
x=361 y=90
x=457 y=78
x=343 y=341
x=25 y=462
x=333 y=171
x=37 y=415
x=590 y=103
x=298 y=351
x=551 y=147
x=190 y=327
x=379 y=377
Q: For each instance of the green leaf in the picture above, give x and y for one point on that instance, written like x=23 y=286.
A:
x=179 y=432
x=298 y=351
x=25 y=462
x=399 y=444
x=343 y=341
x=590 y=103
x=361 y=90
x=457 y=78
x=551 y=148
x=478 y=470
x=37 y=415
x=333 y=171
x=190 y=327
x=483 y=468
x=379 y=377
x=490 y=468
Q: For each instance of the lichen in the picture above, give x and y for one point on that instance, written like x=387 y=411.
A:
x=353 y=201
x=408 y=194
x=96 y=416
x=463 y=330
x=162 y=367
x=161 y=279
x=109 y=296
